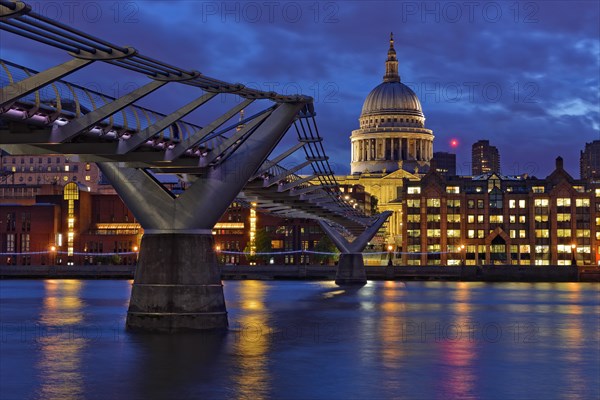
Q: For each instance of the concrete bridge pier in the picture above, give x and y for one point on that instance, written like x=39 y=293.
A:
x=351 y=266
x=177 y=284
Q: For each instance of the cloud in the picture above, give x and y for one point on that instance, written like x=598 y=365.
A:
x=511 y=72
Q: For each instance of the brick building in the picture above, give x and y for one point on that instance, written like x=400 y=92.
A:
x=501 y=220
x=68 y=226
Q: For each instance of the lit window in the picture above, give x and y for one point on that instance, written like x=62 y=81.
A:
x=522 y=234
x=542 y=249
x=480 y=219
x=414 y=190
x=537 y=189
x=562 y=217
x=512 y=219
x=413 y=218
x=582 y=203
x=513 y=233
x=453 y=233
x=65 y=178
x=585 y=233
x=597 y=191
x=480 y=234
x=453 y=203
x=452 y=189
x=453 y=217
x=471 y=233
x=521 y=203
x=433 y=202
x=542 y=233
x=563 y=233
x=88 y=178
x=433 y=233
x=413 y=203
x=540 y=202
x=522 y=219
x=470 y=219
x=496 y=219
x=66 y=168
x=563 y=202
x=512 y=204
x=434 y=217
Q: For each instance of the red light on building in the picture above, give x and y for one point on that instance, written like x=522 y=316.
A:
x=453 y=143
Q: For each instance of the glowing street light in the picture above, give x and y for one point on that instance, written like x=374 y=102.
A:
x=389 y=249
x=573 y=251
x=52 y=255
x=463 y=254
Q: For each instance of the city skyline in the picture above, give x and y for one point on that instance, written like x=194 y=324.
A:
x=497 y=71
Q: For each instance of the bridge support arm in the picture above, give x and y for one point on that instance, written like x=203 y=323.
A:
x=351 y=266
x=177 y=283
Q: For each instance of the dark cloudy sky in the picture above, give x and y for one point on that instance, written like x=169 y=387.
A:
x=524 y=75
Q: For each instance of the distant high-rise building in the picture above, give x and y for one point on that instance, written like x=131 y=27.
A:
x=484 y=158
x=444 y=162
x=589 y=161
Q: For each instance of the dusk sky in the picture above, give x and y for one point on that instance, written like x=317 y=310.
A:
x=524 y=75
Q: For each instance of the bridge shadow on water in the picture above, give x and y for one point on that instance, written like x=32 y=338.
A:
x=175 y=366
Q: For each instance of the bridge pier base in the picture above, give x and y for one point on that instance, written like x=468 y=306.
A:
x=351 y=270
x=351 y=267
x=177 y=285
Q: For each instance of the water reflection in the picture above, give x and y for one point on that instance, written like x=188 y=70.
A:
x=251 y=378
x=458 y=348
x=380 y=341
x=61 y=340
x=392 y=332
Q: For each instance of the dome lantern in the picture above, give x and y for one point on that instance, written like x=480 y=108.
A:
x=391 y=65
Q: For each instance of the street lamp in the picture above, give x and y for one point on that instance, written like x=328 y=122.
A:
x=573 y=251
x=53 y=255
x=463 y=255
x=390 y=248
x=135 y=250
x=218 y=251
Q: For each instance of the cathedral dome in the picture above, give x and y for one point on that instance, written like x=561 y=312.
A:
x=391 y=133
x=392 y=98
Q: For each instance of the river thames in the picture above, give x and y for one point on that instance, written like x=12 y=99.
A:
x=65 y=339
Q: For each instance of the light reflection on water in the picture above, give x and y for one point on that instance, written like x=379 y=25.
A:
x=60 y=351
x=298 y=340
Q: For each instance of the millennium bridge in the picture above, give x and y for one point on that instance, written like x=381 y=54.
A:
x=177 y=284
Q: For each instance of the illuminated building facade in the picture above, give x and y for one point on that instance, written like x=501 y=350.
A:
x=589 y=161
x=494 y=219
x=444 y=163
x=484 y=158
x=22 y=176
x=356 y=196
x=70 y=226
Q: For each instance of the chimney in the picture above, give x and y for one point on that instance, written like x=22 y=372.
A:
x=559 y=162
